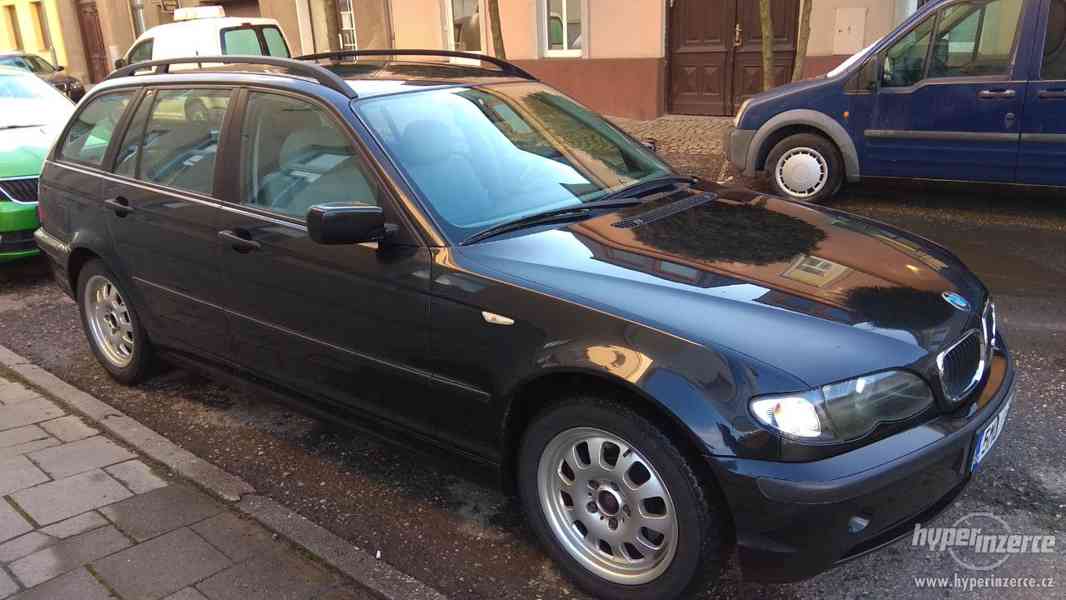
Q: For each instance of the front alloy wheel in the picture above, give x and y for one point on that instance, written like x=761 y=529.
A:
x=608 y=505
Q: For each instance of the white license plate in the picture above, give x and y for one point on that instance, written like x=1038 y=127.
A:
x=986 y=437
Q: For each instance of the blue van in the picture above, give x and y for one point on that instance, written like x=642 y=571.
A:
x=963 y=90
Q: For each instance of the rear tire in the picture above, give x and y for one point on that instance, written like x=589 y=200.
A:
x=592 y=516
x=111 y=324
x=805 y=167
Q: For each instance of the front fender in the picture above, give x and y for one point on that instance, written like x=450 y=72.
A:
x=810 y=118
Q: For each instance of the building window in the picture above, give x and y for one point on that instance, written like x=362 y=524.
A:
x=12 y=18
x=347 y=25
x=562 y=27
x=39 y=25
x=464 y=19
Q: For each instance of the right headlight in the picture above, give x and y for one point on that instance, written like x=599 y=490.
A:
x=844 y=411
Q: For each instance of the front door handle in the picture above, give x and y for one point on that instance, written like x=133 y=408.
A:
x=1052 y=94
x=120 y=205
x=238 y=242
x=996 y=94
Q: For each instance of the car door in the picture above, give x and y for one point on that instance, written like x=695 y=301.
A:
x=1043 y=144
x=949 y=100
x=162 y=197
x=347 y=324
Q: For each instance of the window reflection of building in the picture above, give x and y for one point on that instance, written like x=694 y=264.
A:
x=816 y=271
x=623 y=362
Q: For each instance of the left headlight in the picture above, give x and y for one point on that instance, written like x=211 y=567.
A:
x=845 y=411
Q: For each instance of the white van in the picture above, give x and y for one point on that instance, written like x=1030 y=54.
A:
x=212 y=36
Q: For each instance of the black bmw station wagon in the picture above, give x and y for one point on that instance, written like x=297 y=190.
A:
x=661 y=368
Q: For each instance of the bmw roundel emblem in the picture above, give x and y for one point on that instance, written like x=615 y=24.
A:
x=956 y=300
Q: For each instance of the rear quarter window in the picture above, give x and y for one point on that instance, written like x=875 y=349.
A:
x=90 y=132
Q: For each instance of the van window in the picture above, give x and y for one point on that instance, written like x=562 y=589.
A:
x=141 y=52
x=296 y=156
x=275 y=42
x=181 y=139
x=975 y=39
x=241 y=41
x=91 y=131
x=1054 y=68
x=904 y=62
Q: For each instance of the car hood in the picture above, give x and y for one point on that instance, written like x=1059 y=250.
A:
x=818 y=293
x=22 y=150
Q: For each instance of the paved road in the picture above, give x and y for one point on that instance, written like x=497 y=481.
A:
x=440 y=522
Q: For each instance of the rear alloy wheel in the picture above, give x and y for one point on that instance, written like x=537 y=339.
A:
x=111 y=324
x=615 y=503
x=805 y=167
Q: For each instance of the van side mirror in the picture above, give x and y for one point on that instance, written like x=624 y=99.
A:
x=332 y=224
x=59 y=68
x=120 y=62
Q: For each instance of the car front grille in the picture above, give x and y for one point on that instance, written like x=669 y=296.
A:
x=19 y=190
x=17 y=241
x=963 y=364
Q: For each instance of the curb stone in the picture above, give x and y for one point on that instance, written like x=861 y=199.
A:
x=377 y=576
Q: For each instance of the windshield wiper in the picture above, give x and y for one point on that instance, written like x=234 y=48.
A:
x=617 y=199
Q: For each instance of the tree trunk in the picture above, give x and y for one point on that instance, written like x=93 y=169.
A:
x=767 y=22
x=802 y=39
x=331 y=16
x=497 y=31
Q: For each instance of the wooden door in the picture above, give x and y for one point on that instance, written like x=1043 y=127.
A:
x=93 y=40
x=715 y=59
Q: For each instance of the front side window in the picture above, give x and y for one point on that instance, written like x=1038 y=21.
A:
x=90 y=133
x=483 y=156
x=975 y=39
x=295 y=156
x=181 y=139
x=1054 y=65
x=562 y=27
x=904 y=62
x=141 y=52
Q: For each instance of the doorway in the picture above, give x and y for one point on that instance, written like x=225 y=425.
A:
x=715 y=55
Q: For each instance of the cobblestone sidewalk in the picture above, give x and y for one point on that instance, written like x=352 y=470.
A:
x=692 y=144
x=84 y=518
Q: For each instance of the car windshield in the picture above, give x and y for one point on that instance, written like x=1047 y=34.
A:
x=26 y=100
x=496 y=153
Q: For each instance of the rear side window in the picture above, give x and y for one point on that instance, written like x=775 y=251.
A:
x=180 y=140
x=90 y=133
x=141 y=52
x=1054 y=68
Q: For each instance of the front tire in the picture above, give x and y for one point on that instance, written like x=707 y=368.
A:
x=615 y=503
x=805 y=167
x=110 y=321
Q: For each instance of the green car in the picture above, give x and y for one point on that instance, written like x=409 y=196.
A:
x=32 y=113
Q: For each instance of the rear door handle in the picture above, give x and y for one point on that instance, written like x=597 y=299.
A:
x=1052 y=94
x=238 y=242
x=120 y=205
x=996 y=94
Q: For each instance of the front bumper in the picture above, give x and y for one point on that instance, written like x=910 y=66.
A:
x=792 y=519
x=737 y=145
x=17 y=222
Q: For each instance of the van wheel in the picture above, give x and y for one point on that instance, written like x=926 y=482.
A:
x=806 y=167
x=115 y=333
x=616 y=504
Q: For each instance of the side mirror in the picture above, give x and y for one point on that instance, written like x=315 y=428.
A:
x=120 y=62
x=59 y=68
x=331 y=224
x=651 y=144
